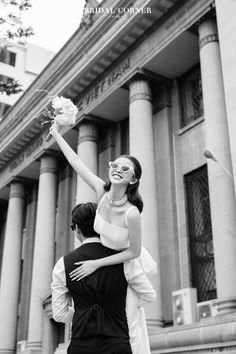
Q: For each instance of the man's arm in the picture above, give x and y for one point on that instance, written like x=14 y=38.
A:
x=139 y=282
x=61 y=309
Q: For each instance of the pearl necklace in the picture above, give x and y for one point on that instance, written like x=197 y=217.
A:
x=117 y=202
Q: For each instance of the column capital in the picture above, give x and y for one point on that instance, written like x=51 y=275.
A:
x=17 y=190
x=140 y=89
x=87 y=131
x=208 y=31
x=48 y=164
x=140 y=85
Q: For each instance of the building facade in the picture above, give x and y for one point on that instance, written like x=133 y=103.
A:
x=155 y=79
x=22 y=62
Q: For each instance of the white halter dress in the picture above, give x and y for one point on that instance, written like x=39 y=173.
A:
x=117 y=238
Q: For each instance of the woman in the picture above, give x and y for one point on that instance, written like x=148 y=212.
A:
x=117 y=221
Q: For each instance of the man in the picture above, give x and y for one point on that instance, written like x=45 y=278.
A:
x=99 y=317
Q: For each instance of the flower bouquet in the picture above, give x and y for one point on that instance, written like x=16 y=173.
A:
x=62 y=112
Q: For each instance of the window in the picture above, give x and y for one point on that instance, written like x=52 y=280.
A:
x=200 y=234
x=5 y=78
x=3 y=110
x=191 y=96
x=7 y=57
x=9 y=86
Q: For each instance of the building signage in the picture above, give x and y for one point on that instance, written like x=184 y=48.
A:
x=104 y=85
x=27 y=153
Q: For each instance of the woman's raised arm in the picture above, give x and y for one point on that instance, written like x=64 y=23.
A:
x=134 y=227
x=83 y=171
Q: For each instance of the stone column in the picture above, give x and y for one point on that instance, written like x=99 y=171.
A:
x=43 y=250
x=28 y=251
x=87 y=151
x=10 y=275
x=225 y=11
x=166 y=198
x=3 y=218
x=63 y=232
x=221 y=186
x=142 y=147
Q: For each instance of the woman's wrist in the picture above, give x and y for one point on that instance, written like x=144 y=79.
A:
x=97 y=263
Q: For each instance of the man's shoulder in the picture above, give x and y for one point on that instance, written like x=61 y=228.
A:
x=82 y=249
x=91 y=250
x=74 y=253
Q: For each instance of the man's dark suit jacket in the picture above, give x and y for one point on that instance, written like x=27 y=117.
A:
x=100 y=298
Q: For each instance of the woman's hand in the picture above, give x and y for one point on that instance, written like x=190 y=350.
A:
x=55 y=127
x=85 y=268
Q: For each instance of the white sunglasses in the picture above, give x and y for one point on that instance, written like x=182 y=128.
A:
x=122 y=168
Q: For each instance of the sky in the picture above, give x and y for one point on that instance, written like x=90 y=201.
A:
x=53 y=21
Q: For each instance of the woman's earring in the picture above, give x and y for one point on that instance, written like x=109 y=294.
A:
x=133 y=182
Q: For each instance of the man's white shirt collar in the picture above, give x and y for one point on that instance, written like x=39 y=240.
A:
x=91 y=240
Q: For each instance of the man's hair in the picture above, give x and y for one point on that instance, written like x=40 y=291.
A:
x=83 y=216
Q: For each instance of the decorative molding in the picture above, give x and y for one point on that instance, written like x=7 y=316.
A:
x=88 y=137
x=17 y=190
x=87 y=132
x=154 y=324
x=226 y=306
x=48 y=165
x=208 y=39
x=16 y=194
x=48 y=169
x=140 y=96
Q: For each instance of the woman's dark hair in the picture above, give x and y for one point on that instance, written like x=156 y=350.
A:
x=83 y=216
x=132 y=190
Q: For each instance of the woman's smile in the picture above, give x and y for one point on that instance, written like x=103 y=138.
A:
x=117 y=175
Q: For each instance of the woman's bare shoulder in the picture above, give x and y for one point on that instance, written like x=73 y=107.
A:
x=132 y=212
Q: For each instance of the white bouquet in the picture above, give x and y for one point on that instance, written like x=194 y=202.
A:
x=62 y=112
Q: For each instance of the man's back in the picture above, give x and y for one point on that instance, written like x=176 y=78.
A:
x=99 y=299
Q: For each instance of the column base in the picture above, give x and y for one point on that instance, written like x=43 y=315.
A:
x=227 y=306
x=30 y=351
x=29 y=347
x=154 y=324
